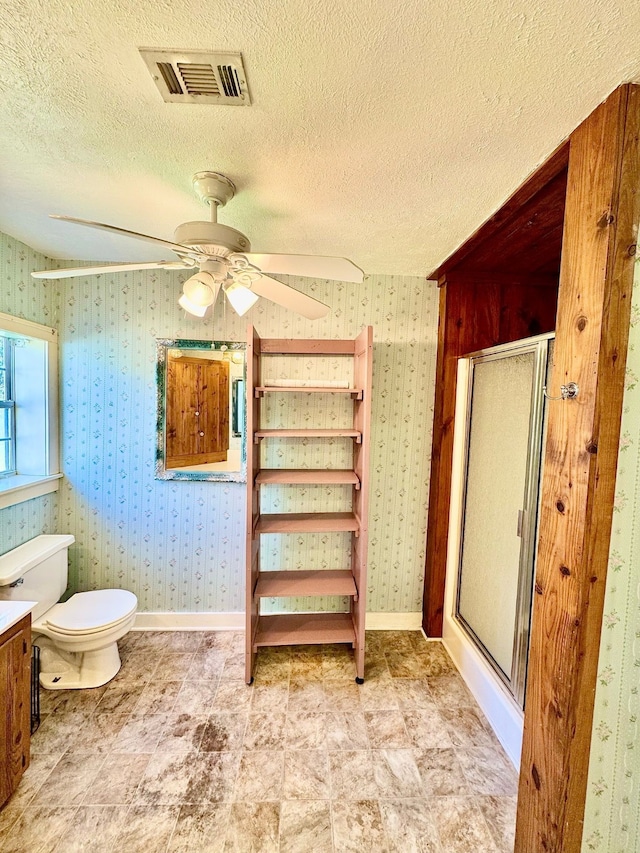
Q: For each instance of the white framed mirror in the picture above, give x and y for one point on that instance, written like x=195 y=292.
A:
x=201 y=410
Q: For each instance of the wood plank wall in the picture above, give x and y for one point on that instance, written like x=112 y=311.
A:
x=596 y=278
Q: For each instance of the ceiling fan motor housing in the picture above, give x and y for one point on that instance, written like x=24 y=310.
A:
x=211 y=238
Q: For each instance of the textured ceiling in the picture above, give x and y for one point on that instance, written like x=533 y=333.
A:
x=382 y=131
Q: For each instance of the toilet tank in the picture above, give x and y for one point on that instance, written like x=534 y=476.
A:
x=36 y=571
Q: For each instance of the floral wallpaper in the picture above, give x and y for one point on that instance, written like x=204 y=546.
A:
x=25 y=297
x=180 y=545
x=612 y=815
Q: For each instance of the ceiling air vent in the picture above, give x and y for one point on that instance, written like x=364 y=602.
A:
x=195 y=77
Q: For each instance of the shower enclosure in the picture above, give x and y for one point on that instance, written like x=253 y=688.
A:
x=498 y=448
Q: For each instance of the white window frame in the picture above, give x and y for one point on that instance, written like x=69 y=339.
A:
x=36 y=412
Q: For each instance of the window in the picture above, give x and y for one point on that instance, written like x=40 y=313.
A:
x=7 y=410
x=29 y=453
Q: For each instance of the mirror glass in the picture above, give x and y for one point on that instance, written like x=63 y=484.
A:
x=201 y=410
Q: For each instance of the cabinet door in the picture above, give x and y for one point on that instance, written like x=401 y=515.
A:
x=15 y=686
x=197 y=411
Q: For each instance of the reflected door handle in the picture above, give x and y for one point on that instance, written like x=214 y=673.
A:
x=520 y=522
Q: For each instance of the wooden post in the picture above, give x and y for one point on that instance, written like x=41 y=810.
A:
x=596 y=278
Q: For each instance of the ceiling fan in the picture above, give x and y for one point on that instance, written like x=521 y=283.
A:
x=224 y=261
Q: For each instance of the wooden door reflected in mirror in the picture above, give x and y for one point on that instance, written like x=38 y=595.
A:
x=200 y=395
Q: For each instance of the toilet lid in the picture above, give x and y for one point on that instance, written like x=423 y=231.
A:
x=91 y=611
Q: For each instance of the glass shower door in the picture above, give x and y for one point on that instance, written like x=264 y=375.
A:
x=500 y=504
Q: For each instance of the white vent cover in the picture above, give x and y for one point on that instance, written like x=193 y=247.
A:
x=197 y=77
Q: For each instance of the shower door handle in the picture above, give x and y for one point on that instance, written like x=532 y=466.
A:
x=521 y=515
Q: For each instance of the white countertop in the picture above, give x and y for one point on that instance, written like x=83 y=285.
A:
x=13 y=611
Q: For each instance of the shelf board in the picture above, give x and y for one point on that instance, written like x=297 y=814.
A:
x=307 y=522
x=305 y=582
x=307 y=433
x=304 y=629
x=261 y=390
x=311 y=476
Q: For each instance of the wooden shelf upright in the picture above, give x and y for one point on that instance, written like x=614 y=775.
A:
x=308 y=628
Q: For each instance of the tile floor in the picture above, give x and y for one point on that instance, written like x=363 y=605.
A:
x=177 y=754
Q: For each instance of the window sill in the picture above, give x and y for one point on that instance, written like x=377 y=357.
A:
x=15 y=490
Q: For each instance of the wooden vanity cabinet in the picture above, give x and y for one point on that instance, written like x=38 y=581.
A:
x=15 y=705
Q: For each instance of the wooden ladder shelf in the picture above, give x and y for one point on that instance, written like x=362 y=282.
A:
x=321 y=627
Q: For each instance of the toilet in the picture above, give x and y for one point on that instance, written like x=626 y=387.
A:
x=78 y=639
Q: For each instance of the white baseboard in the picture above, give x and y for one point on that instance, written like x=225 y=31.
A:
x=164 y=621
x=394 y=621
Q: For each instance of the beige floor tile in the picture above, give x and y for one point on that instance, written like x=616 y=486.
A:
x=213 y=777
x=35 y=775
x=270 y=697
x=38 y=829
x=358 y=827
x=306 y=775
x=182 y=732
x=342 y=695
x=413 y=693
x=467 y=728
x=140 y=733
x=146 y=829
x=207 y=665
x=93 y=829
x=166 y=779
x=224 y=731
x=352 y=775
x=305 y=827
x=346 y=730
x=461 y=826
x=386 y=729
x=70 y=779
x=260 y=777
x=305 y=729
x=117 y=781
x=307 y=695
x=231 y=696
x=173 y=666
x=253 y=828
x=500 y=815
x=119 y=696
x=196 y=697
x=158 y=697
x=427 y=729
x=441 y=773
x=409 y=826
x=57 y=733
x=98 y=733
x=396 y=773
x=200 y=829
x=265 y=731
x=488 y=771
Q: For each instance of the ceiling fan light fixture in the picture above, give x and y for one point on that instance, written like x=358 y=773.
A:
x=198 y=293
x=240 y=297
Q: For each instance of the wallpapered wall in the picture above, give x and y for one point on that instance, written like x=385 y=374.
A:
x=178 y=545
x=612 y=816
x=24 y=297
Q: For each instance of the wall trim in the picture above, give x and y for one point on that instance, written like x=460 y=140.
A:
x=166 y=621
x=394 y=621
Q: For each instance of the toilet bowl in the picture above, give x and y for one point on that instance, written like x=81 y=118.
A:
x=77 y=638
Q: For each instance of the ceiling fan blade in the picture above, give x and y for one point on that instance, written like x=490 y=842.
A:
x=178 y=248
x=104 y=268
x=313 y=266
x=289 y=297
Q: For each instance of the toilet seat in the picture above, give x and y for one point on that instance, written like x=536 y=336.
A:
x=91 y=612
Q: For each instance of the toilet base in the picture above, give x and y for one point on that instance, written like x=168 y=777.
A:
x=62 y=670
